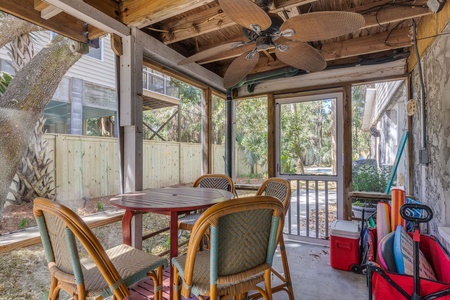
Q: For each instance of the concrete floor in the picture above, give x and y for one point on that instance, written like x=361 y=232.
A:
x=314 y=278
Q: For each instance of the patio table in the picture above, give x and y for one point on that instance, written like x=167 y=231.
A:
x=168 y=201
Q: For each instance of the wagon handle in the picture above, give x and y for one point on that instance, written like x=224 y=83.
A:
x=416 y=238
x=424 y=219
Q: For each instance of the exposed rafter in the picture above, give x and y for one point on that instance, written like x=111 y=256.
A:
x=62 y=23
x=141 y=13
x=91 y=15
x=214 y=19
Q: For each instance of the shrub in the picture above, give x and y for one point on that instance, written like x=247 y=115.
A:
x=367 y=178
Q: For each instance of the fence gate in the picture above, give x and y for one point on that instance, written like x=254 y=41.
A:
x=309 y=154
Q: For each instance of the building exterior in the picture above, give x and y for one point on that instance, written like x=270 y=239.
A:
x=88 y=90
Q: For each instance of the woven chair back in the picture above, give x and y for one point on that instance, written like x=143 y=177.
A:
x=279 y=188
x=62 y=233
x=215 y=181
x=244 y=234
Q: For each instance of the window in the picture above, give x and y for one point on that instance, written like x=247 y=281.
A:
x=96 y=53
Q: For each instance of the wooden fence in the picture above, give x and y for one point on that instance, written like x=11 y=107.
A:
x=88 y=167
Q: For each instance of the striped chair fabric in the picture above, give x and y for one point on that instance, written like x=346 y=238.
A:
x=281 y=189
x=243 y=235
x=102 y=273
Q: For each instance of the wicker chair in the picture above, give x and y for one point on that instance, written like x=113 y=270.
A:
x=244 y=234
x=102 y=273
x=280 y=189
x=211 y=181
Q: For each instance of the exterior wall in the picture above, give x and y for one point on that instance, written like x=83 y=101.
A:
x=432 y=181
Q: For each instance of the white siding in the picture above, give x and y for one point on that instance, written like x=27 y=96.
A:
x=90 y=69
x=100 y=72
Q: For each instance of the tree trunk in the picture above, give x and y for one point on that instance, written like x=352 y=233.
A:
x=13 y=27
x=23 y=102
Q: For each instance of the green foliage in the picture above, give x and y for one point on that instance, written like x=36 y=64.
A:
x=251 y=131
x=367 y=178
x=5 y=79
x=190 y=118
x=306 y=134
x=100 y=206
x=23 y=223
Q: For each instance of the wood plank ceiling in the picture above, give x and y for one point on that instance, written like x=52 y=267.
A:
x=191 y=26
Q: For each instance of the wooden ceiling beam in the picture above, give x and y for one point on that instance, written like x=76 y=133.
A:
x=207 y=21
x=395 y=39
x=280 y=5
x=395 y=12
x=62 y=23
x=92 y=16
x=142 y=13
x=214 y=19
x=383 y=13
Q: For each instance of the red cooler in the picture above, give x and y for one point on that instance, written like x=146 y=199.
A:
x=344 y=244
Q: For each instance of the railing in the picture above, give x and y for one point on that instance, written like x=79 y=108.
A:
x=157 y=82
x=313 y=208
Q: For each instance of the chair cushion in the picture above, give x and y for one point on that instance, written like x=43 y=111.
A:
x=131 y=263
x=201 y=277
x=187 y=222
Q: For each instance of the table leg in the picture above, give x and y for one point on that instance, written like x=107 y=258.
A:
x=173 y=245
x=132 y=229
x=126 y=227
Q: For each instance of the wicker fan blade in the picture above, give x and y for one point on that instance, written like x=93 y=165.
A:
x=246 y=13
x=301 y=56
x=210 y=52
x=239 y=68
x=323 y=25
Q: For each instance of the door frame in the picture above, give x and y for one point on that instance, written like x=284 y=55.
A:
x=311 y=96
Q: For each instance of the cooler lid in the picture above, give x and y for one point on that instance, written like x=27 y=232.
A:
x=344 y=228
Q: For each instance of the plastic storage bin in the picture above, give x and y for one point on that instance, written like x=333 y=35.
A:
x=344 y=245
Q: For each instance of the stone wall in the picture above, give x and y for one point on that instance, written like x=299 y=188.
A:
x=432 y=181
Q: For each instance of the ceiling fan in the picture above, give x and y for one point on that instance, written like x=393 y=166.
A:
x=289 y=38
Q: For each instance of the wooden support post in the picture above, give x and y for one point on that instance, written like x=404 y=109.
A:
x=271 y=138
x=130 y=109
x=230 y=135
x=131 y=124
x=347 y=151
x=207 y=131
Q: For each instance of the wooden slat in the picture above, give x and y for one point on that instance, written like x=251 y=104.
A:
x=395 y=39
x=280 y=5
x=209 y=20
x=62 y=23
x=141 y=13
x=392 y=14
x=91 y=15
x=30 y=236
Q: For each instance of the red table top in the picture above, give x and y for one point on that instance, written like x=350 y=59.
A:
x=170 y=199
